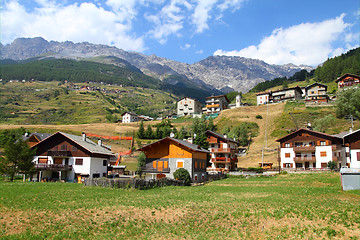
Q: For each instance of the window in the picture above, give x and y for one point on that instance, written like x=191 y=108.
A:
x=287 y=155
x=195 y=164
x=322 y=154
x=180 y=164
x=287 y=145
x=298 y=154
x=195 y=177
x=96 y=175
x=323 y=165
x=322 y=143
x=78 y=161
x=104 y=163
x=287 y=165
x=63 y=147
x=298 y=144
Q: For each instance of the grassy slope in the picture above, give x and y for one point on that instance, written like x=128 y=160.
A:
x=303 y=206
x=29 y=101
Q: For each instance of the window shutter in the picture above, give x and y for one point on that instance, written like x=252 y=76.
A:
x=284 y=165
x=327 y=142
x=318 y=143
x=358 y=156
x=166 y=164
x=154 y=164
x=291 y=165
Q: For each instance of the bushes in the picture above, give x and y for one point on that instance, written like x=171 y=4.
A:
x=182 y=174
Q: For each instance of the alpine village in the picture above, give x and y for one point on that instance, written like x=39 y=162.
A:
x=100 y=148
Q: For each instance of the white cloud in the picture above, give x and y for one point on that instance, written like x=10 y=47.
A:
x=307 y=43
x=78 y=23
x=199 y=51
x=186 y=46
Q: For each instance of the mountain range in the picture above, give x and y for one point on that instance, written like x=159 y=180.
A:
x=221 y=73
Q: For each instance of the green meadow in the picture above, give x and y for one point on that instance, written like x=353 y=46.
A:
x=286 y=206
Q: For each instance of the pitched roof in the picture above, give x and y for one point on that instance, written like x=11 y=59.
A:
x=131 y=113
x=219 y=96
x=316 y=83
x=347 y=75
x=186 y=144
x=286 y=89
x=222 y=137
x=87 y=144
x=350 y=133
x=38 y=136
x=309 y=131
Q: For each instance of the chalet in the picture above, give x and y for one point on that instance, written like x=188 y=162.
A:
x=215 y=104
x=316 y=92
x=352 y=148
x=34 y=138
x=64 y=156
x=188 y=106
x=223 y=152
x=279 y=95
x=128 y=117
x=309 y=149
x=167 y=155
x=347 y=80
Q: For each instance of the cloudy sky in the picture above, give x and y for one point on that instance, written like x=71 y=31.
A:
x=276 y=31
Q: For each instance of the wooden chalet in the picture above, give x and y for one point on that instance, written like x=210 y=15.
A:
x=316 y=92
x=167 y=155
x=223 y=152
x=347 y=80
x=68 y=157
x=307 y=149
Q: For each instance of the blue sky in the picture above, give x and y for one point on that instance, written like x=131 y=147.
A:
x=276 y=31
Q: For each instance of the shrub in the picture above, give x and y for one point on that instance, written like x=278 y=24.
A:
x=331 y=165
x=182 y=174
x=259 y=117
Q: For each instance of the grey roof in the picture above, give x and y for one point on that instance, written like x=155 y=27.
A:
x=40 y=136
x=181 y=142
x=88 y=144
x=342 y=134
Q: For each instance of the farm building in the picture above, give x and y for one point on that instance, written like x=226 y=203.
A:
x=128 y=117
x=223 y=152
x=167 y=155
x=279 y=95
x=64 y=156
x=34 y=138
x=307 y=149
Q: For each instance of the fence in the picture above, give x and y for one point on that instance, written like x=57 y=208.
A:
x=140 y=184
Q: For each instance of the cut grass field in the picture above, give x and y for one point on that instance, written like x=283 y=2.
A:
x=289 y=206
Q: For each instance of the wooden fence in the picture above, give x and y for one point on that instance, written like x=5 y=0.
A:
x=132 y=183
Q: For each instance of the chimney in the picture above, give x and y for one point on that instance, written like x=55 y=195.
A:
x=99 y=142
x=350 y=130
x=84 y=136
x=26 y=134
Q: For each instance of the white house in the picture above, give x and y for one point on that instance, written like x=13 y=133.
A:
x=68 y=157
x=352 y=146
x=188 y=106
x=307 y=149
x=128 y=117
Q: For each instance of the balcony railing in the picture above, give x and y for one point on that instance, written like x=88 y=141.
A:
x=61 y=153
x=53 y=167
x=217 y=170
x=305 y=159
x=211 y=140
x=223 y=150
x=213 y=106
x=304 y=148
x=156 y=170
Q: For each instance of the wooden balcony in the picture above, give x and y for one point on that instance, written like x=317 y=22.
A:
x=213 y=106
x=53 y=167
x=304 y=149
x=59 y=153
x=211 y=140
x=224 y=160
x=305 y=159
x=156 y=170
x=223 y=170
x=224 y=150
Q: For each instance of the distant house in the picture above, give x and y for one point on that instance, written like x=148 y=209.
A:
x=347 y=80
x=223 y=152
x=237 y=103
x=316 y=92
x=307 y=149
x=215 y=104
x=188 y=106
x=279 y=95
x=352 y=148
x=167 y=155
x=34 y=138
x=129 y=117
x=64 y=156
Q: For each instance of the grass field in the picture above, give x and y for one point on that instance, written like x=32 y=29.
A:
x=289 y=206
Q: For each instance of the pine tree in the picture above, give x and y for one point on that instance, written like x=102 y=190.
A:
x=149 y=134
x=141 y=131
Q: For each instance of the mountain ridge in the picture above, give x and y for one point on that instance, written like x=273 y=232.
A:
x=219 y=72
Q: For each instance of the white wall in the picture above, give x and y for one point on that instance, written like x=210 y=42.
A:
x=285 y=159
x=319 y=159
x=355 y=163
x=96 y=166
